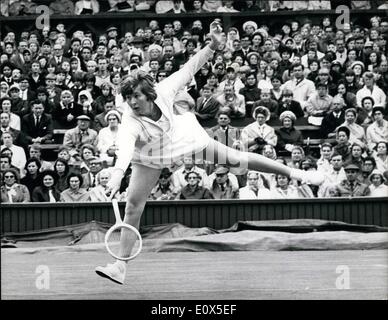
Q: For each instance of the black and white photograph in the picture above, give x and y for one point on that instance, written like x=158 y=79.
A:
x=196 y=155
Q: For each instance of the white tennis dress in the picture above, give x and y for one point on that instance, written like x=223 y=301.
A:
x=161 y=143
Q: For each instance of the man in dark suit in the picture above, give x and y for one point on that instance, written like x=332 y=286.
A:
x=223 y=132
x=207 y=106
x=117 y=66
x=37 y=125
x=58 y=57
x=333 y=119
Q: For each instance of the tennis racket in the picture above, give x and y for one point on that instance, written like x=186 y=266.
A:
x=119 y=232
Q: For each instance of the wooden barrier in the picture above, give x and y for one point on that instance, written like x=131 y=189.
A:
x=217 y=214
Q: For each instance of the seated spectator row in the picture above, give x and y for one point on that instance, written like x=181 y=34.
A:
x=68 y=7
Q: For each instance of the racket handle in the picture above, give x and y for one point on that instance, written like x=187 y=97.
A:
x=116 y=210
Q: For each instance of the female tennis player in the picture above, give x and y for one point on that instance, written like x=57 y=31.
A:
x=151 y=137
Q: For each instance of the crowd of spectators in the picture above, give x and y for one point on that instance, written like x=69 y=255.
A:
x=75 y=7
x=312 y=73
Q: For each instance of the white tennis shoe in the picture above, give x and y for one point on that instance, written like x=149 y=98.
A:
x=115 y=272
x=310 y=177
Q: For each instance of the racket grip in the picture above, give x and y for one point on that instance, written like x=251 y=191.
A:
x=116 y=210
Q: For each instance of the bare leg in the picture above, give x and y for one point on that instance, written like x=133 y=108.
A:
x=222 y=154
x=142 y=181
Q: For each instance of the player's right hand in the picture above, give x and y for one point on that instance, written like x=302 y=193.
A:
x=114 y=183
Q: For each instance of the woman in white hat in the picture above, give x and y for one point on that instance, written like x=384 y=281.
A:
x=258 y=133
x=377 y=187
x=107 y=137
x=287 y=135
x=151 y=136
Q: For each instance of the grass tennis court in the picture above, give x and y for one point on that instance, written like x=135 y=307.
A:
x=198 y=275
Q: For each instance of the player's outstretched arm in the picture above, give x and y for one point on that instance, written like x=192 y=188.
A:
x=179 y=79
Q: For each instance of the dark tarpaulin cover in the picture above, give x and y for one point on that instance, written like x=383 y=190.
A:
x=298 y=234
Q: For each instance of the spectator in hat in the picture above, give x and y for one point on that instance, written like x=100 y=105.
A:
x=86 y=7
x=193 y=190
x=67 y=111
x=258 y=133
x=287 y=103
x=249 y=27
x=80 y=135
x=164 y=189
x=377 y=186
x=287 y=135
x=107 y=137
x=371 y=89
x=378 y=130
x=351 y=187
x=222 y=188
x=46 y=190
x=74 y=193
x=38 y=125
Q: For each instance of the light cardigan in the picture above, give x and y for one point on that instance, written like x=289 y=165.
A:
x=158 y=144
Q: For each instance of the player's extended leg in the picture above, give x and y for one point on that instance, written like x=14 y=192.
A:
x=222 y=154
x=143 y=179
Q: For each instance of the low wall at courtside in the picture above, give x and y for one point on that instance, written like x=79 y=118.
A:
x=216 y=214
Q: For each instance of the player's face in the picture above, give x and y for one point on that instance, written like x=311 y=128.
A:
x=139 y=103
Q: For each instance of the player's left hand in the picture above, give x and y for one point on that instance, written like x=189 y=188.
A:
x=216 y=34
